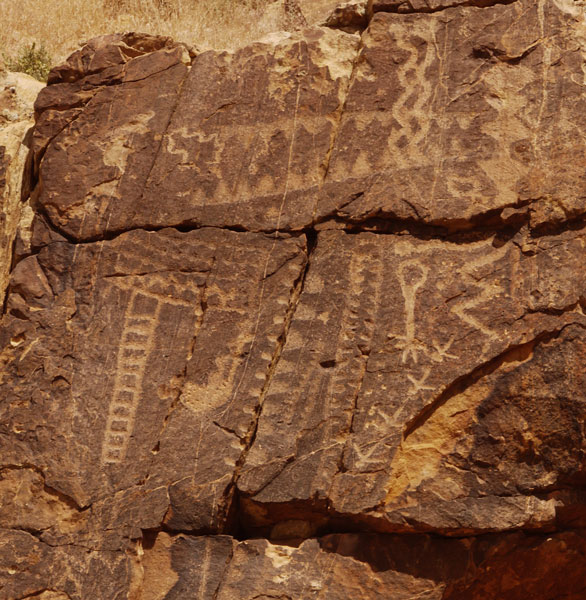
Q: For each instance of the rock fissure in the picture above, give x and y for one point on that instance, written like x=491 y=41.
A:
x=36 y=154
x=165 y=129
x=86 y=94
x=498 y=54
x=376 y=226
x=113 y=235
x=519 y=352
x=203 y=302
x=430 y=6
x=338 y=117
x=296 y=292
x=457 y=231
x=354 y=406
x=60 y=496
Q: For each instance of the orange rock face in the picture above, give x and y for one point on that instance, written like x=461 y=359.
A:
x=305 y=320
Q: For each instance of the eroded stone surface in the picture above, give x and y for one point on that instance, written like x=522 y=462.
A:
x=240 y=141
x=451 y=117
x=318 y=286
x=387 y=329
x=460 y=113
x=183 y=566
x=30 y=568
x=368 y=567
x=17 y=95
x=515 y=433
x=128 y=364
x=350 y=15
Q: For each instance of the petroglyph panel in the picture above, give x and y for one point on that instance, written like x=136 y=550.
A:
x=251 y=135
x=367 y=315
x=458 y=113
x=494 y=439
x=99 y=159
x=446 y=117
x=384 y=326
x=226 y=377
x=240 y=140
x=139 y=328
x=158 y=342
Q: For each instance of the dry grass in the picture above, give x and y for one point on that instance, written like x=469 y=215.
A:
x=61 y=25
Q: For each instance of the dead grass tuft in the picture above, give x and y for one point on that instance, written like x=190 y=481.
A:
x=62 y=25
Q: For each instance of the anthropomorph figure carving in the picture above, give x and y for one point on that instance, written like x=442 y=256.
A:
x=412 y=275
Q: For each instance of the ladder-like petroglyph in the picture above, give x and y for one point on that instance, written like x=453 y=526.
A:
x=137 y=342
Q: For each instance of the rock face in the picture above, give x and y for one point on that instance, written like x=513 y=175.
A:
x=17 y=95
x=305 y=320
x=349 y=15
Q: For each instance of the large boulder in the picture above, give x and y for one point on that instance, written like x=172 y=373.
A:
x=304 y=320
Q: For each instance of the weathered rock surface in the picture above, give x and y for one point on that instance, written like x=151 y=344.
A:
x=17 y=95
x=305 y=320
x=424 y=111
x=348 y=15
x=194 y=314
x=260 y=122
x=382 y=337
x=462 y=114
x=365 y=566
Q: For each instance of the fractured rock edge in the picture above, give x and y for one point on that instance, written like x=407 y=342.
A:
x=213 y=565
x=428 y=6
x=512 y=214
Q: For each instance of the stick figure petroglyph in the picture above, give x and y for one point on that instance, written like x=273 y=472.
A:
x=441 y=350
x=418 y=383
x=412 y=275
